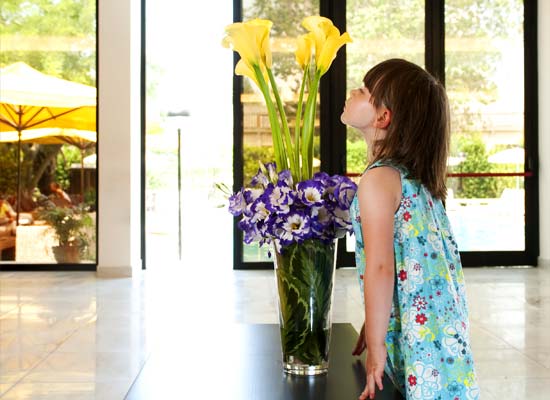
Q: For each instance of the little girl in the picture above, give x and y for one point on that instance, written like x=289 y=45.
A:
x=416 y=317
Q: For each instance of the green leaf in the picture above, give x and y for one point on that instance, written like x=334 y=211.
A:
x=305 y=274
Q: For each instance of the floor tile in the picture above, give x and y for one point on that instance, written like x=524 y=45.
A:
x=71 y=335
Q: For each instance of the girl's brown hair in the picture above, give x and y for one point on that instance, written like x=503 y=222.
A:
x=419 y=132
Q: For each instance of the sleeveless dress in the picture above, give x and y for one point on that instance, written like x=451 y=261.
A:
x=428 y=344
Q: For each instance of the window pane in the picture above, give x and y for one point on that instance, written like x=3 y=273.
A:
x=287 y=16
x=377 y=38
x=54 y=193
x=484 y=79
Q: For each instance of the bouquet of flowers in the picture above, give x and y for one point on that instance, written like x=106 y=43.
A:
x=276 y=211
x=286 y=205
x=285 y=202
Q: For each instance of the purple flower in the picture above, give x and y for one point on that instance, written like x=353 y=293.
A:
x=272 y=171
x=258 y=210
x=311 y=193
x=259 y=179
x=285 y=177
x=317 y=229
x=344 y=192
x=322 y=177
x=293 y=228
x=267 y=173
x=279 y=197
x=250 y=195
x=342 y=221
x=251 y=233
x=277 y=213
x=329 y=183
x=237 y=203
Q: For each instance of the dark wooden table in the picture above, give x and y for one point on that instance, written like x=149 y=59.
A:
x=243 y=362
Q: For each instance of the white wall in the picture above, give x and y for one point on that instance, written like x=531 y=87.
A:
x=119 y=137
x=544 y=128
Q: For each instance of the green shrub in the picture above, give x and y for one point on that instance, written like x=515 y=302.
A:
x=476 y=161
x=356 y=156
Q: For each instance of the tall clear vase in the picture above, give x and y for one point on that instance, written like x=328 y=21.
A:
x=305 y=281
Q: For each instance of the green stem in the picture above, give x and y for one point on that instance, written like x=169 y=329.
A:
x=286 y=132
x=298 y=126
x=278 y=146
x=309 y=128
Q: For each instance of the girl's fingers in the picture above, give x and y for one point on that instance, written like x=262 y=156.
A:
x=373 y=380
x=379 y=381
x=365 y=394
x=370 y=386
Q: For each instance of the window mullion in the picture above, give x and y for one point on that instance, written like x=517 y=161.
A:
x=435 y=38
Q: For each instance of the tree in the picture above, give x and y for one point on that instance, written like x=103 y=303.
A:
x=65 y=21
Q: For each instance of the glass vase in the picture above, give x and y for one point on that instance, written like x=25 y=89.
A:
x=305 y=279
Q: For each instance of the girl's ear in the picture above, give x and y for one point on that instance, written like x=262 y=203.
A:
x=383 y=118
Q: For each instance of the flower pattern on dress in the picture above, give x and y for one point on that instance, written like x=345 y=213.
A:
x=427 y=381
x=429 y=353
x=454 y=340
x=412 y=276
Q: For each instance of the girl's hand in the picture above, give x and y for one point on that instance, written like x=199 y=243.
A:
x=376 y=360
x=361 y=344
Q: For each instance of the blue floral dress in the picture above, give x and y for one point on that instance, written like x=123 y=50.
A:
x=428 y=344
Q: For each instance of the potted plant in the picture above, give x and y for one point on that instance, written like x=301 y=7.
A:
x=69 y=225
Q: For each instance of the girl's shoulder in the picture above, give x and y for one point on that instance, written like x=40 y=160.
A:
x=379 y=185
x=389 y=163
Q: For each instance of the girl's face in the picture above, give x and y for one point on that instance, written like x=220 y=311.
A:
x=359 y=112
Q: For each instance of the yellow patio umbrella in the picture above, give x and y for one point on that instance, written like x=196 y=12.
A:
x=30 y=99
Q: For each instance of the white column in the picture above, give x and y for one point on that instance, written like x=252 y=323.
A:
x=119 y=138
x=544 y=129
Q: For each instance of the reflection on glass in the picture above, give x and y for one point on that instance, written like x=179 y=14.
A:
x=484 y=79
x=257 y=143
x=377 y=38
x=48 y=180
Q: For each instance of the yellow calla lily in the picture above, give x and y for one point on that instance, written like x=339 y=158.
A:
x=329 y=50
x=327 y=40
x=263 y=27
x=319 y=27
x=304 y=49
x=243 y=69
x=251 y=40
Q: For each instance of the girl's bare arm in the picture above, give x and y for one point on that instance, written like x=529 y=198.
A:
x=379 y=197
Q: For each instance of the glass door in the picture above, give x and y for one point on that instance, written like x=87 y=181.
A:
x=482 y=51
x=484 y=70
x=485 y=53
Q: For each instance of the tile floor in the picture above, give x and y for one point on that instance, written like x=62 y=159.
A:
x=70 y=335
